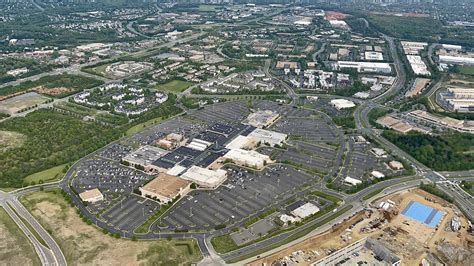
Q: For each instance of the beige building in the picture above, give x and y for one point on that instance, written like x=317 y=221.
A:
x=93 y=195
x=204 y=177
x=166 y=187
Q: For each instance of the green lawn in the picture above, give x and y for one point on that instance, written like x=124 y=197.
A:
x=466 y=70
x=223 y=243
x=175 y=86
x=207 y=8
x=143 y=125
x=16 y=248
x=373 y=193
x=48 y=175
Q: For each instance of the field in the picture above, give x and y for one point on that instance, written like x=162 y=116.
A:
x=84 y=244
x=15 y=248
x=21 y=102
x=174 y=86
x=47 y=175
x=10 y=139
x=207 y=8
x=466 y=70
x=98 y=70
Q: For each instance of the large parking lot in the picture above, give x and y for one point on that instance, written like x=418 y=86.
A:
x=242 y=195
x=307 y=129
x=227 y=112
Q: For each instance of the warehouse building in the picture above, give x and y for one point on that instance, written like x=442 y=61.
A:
x=368 y=67
x=456 y=60
x=204 y=177
x=91 y=196
x=166 y=187
x=458 y=99
x=247 y=158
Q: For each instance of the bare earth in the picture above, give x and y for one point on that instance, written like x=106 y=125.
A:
x=410 y=240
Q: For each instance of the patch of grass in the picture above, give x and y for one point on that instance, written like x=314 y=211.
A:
x=373 y=193
x=16 y=248
x=223 y=243
x=174 y=86
x=136 y=128
x=207 y=8
x=48 y=175
x=323 y=195
x=466 y=70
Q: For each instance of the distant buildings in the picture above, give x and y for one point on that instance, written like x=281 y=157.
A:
x=412 y=51
x=367 y=67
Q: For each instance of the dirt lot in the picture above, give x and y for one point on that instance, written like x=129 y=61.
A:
x=85 y=245
x=17 y=103
x=51 y=91
x=410 y=242
x=15 y=248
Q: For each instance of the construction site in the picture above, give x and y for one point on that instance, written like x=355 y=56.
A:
x=413 y=226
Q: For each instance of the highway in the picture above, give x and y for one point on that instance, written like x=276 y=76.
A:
x=50 y=254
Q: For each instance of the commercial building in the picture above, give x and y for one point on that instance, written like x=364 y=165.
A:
x=418 y=65
x=143 y=157
x=395 y=124
x=171 y=141
x=373 y=56
x=377 y=174
x=443 y=121
x=204 y=177
x=305 y=210
x=166 y=187
x=242 y=142
x=352 y=181
x=199 y=144
x=247 y=158
x=268 y=137
x=367 y=249
x=368 y=67
x=413 y=48
x=91 y=196
x=395 y=165
x=262 y=118
x=342 y=104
